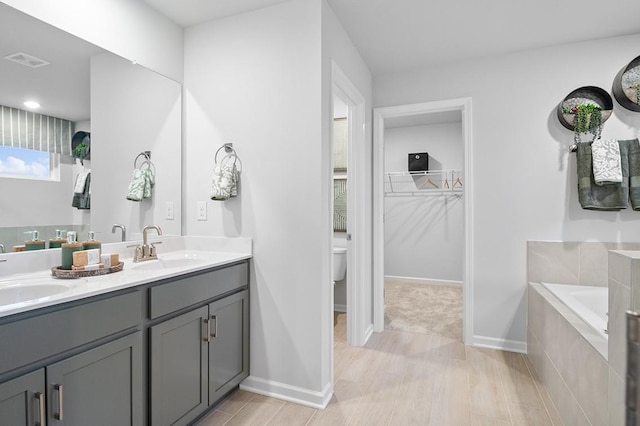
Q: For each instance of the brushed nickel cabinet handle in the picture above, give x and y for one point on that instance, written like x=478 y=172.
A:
x=215 y=329
x=208 y=338
x=40 y=397
x=58 y=415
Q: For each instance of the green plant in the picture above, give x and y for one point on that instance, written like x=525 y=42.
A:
x=80 y=151
x=587 y=117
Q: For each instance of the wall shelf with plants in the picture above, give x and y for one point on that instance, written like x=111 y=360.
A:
x=626 y=86
x=584 y=111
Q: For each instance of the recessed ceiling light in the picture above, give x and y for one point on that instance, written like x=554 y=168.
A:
x=32 y=104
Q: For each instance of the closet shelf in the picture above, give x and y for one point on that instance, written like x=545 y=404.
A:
x=423 y=183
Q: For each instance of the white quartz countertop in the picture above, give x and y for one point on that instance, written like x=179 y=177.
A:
x=180 y=256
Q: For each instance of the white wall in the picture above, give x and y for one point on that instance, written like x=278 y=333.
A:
x=424 y=234
x=133 y=110
x=127 y=28
x=24 y=200
x=255 y=79
x=524 y=176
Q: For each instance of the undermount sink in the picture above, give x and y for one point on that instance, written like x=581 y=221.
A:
x=159 y=264
x=27 y=290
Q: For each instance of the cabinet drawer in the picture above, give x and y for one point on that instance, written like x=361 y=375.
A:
x=38 y=337
x=170 y=297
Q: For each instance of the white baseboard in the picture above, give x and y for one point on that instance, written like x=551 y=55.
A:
x=424 y=281
x=501 y=344
x=340 y=308
x=289 y=393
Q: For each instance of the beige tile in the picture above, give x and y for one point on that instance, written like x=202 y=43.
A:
x=593 y=384
x=215 y=418
x=342 y=406
x=479 y=420
x=544 y=395
x=291 y=415
x=257 y=412
x=617 y=407
x=635 y=284
x=550 y=334
x=486 y=393
x=413 y=406
x=569 y=346
x=535 y=312
x=553 y=261
x=450 y=405
x=534 y=352
x=620 y=268
x=376 y=406
x=619 y=302
x=234 y=402
x=523 y=415
x=594 y=262
x=519 y=387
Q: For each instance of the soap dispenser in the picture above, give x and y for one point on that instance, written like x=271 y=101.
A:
x=91 y=243
x=58 y=240
x=67 y=250
x=35 y=243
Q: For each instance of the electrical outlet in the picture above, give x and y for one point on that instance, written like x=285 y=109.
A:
x=168 y=210
x=202 y=210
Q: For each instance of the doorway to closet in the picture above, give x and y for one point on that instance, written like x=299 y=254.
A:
x=422 y=217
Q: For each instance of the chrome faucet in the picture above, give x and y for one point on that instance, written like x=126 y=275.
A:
x=123 y=228
x=2 y=248
x=148 y=250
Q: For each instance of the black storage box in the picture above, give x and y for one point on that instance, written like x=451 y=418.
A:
x=419 y=162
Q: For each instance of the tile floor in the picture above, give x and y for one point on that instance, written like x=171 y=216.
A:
x=403 y=378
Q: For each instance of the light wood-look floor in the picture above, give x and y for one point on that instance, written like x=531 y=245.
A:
x=402 y=378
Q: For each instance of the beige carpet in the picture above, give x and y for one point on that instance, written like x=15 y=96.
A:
x=430 y=309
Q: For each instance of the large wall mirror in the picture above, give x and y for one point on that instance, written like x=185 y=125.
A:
x=126 y=108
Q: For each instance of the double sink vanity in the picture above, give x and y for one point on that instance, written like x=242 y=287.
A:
x=158 y=343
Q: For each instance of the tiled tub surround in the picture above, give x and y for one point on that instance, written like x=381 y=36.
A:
x=570 y=358
x=582 y=371
x=571 y=262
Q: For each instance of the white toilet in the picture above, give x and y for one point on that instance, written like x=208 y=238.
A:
x=339 y=263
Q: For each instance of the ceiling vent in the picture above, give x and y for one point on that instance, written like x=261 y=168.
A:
x=27 y=60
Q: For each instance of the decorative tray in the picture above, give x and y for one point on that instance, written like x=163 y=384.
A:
x=66 y=273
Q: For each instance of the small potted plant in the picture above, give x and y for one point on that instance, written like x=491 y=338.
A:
x=587 y=117
x=81 y=146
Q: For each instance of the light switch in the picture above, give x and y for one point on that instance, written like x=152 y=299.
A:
x=168 y=210
x=202 y=210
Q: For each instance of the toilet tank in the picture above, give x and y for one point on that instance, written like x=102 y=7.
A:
x=339 y=263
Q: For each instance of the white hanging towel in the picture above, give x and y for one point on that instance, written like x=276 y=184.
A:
x=607 y=164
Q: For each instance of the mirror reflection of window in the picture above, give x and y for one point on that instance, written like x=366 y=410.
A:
x=25 y=163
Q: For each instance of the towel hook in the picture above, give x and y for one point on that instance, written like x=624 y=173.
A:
x=145 y=154
x=228 y=148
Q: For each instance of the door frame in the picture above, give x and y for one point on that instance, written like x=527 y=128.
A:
x=379 y=116
x=359 y=324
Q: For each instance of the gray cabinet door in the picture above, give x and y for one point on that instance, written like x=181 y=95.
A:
x=179 y=368
x=229 y=347
x=102 y=386
x=22 y=400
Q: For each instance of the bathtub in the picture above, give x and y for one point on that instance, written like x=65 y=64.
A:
x=589 y=303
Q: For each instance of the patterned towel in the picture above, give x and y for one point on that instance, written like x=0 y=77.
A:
x=142 y=180
x=607 y=165
x=225 y=181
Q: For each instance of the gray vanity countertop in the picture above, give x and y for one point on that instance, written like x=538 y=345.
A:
x=177 y=256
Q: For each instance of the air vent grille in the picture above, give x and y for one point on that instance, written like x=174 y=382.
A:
x=27 y=60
